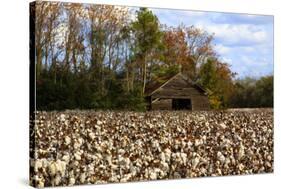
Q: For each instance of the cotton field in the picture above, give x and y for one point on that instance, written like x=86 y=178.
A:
x=88 y=147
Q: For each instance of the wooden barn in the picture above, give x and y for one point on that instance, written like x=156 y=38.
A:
x=176 y=93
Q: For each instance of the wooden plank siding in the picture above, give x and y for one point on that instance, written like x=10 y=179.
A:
x=178 y=87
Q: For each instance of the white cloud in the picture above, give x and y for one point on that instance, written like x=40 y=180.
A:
x=244 y=41
x=238 y=35
x=221 y=49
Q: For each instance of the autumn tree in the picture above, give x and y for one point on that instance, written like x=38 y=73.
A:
x=200 y=44
x=106 y=24
x=46 y=20
x=217 y=79
x=102 y=56
x=176 y=54
x=188 y=48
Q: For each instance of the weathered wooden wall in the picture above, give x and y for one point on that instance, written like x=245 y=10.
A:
x=177 y=88
x=162 y=104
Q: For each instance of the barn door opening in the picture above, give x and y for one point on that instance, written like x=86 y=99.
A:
x=181 y=104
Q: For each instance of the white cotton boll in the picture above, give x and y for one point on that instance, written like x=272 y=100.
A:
x=268 y=164
x=82 y=177
x=37 y=165
x=189 y=144
x=138 y=143
x=66 y=158
x=195 y=162
x=220 y=157
x=133 y=170
x=61 y=167
x=109 y=159
x=40 y=184
x=203 y=171
x=241 y=166
x=167 y=154
x=36 y=178
x=76 y=145
x=183 y=158
x=99 y=122
x=91 y=136
x=57 y=180
x=67 y=140
x=204 y=137
x=71 y=181
x=153 y=175
x=126 y=177
x=222 y=125
x=227 y=162
x=113 y=179
x=165 y=166
x=241 y=152
x=121 y=151
x=52 y=169
x=45 y=163
x=98 y=156
x=62 y=117
x=77 y=156
x=125 y=162
x=197 y=142
x=155 y=145
x=162 y=157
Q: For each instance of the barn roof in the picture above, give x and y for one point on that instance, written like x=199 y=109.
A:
x=154 y=85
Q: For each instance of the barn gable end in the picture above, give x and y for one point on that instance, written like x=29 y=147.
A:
x=177 y=93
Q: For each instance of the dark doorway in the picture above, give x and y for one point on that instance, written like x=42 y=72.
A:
x=181 y=104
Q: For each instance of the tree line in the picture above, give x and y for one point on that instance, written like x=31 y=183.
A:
x=103 y=56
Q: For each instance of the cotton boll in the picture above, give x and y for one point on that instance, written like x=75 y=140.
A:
x=221 y=157
x=40 y=184
x=62 y=117
x=82 y=177
x=241 y=152
x=162 y=157
x=71 y=181
x=52 y=169
x=67 y=140
x=195 y=162
x=37 y=165
x=57 y=180
x=153 y=175
x=91 y=136
x=113 y=146
x=66 y=157
x=77 y=156
x=222 y=125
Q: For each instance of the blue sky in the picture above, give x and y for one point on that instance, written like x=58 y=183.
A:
x=244 y=41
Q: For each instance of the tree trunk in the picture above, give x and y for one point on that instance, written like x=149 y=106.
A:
x=144 y=75
x=38 y=62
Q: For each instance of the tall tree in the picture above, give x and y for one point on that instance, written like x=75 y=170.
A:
x=106 y=23
x=188 y=47
x=46 y=21
x=74 y=36
x=217 y=78
x=200 y=44
x=176 y=51
x=148 y=37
